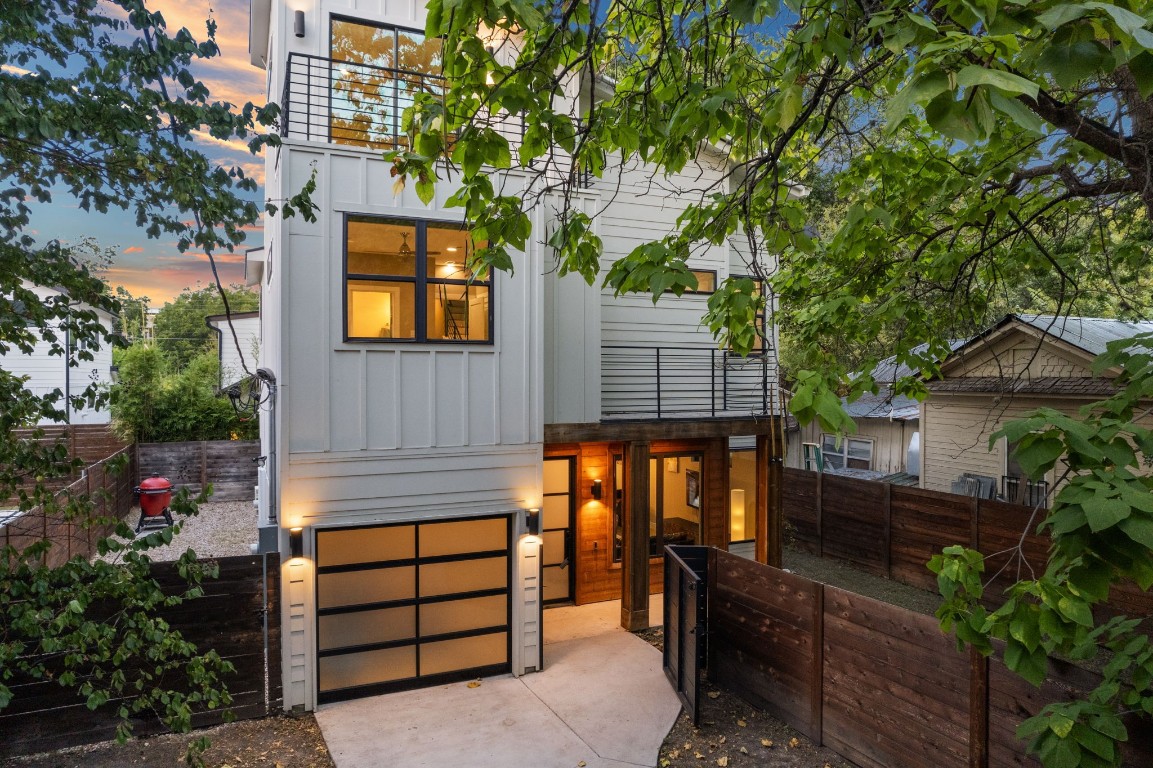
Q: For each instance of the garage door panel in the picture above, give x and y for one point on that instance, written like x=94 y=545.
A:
x=351 y=670
x=342 y=630
x=463 y=653
x=379 y=585
x=401 y=603
x=463 y=576
x=463 y=536
x=463 y=615
x=345 y=547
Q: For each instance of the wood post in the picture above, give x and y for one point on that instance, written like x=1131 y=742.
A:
x=820 y=515
x=817 y=673
x=887 y=552
x=978 y=709
x=770 y=504
x=635 y=554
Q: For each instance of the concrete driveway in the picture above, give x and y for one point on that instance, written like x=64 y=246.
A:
x=601 y=701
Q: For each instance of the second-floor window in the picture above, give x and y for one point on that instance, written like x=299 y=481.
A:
x=406 y=280
x=376 y=73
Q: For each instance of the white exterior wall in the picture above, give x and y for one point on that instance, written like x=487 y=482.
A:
x=234 y=363
x=47 y=373
x=382 y=432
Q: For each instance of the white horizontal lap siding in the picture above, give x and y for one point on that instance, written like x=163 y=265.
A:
x=390 y=486
x=955 y=435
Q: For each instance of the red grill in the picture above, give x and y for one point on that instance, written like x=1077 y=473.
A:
x=155 y=495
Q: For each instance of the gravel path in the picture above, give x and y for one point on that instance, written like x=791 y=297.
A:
x=222 y=529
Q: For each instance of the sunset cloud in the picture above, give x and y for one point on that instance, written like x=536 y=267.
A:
x=133 y=249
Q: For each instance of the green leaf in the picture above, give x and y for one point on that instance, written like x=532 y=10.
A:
x=1061 y=14
x=1102 y=513
x=1020 y=114
x=1072 y=61
x=1008 y=82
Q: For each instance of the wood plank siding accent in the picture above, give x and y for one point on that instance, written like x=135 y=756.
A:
x=879 y=684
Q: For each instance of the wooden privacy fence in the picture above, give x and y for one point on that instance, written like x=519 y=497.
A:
x=879 y=684
x=229 y=465
x=111 y=493
x=229 y=618
x=892 y=531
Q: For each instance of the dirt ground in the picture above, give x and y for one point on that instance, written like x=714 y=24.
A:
x=731 y=733
x=278 y=742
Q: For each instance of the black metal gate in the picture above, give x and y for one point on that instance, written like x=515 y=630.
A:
x=686 y=571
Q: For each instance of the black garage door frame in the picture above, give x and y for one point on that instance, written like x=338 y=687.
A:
x=419 y=680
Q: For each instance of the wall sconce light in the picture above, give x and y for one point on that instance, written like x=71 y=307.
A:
x=295 y=542
x=597 y=489
x=532 y=521
x=298 y=23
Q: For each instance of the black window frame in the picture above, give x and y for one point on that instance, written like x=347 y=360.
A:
x=420 y=281
x=699 y=292
x=760 y=319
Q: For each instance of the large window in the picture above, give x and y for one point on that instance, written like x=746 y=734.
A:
x=676 y=493
x=848 y=453
x=406 y=280
x=376 y=73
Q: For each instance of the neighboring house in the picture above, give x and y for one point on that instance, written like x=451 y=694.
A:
x=1022 y=363
x=239 y=354
x=887 y=429
x=47 y=372
x=420 y=426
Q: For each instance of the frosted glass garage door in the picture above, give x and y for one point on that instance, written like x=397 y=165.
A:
x=411 y=604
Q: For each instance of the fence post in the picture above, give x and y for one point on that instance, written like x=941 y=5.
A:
x=203 y=465
x=820 y=515
x=817 y=673
x=974 y=523
x=978 y=709
x=887 y=552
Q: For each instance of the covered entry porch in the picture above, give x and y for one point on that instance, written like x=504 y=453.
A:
x=632 y=487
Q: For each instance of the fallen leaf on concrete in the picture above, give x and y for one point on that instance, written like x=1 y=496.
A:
x=581 y=764
x=474 y=683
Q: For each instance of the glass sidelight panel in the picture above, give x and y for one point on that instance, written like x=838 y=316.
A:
x=557 y=532
x=742 y=495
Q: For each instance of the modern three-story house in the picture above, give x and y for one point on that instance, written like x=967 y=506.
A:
x=446 y=454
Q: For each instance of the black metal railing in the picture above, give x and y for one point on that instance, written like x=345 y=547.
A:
x=361 y=105
x=343 y=102
x=1020 y=490
x=669 y=382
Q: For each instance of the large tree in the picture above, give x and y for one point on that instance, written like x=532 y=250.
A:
x=180 y=328
x=975 y=147
x=100 y=106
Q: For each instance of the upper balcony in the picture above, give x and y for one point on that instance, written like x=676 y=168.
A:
x=643 y=382
x=359 y=105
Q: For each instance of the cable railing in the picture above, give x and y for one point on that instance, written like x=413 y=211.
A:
x=671 y=382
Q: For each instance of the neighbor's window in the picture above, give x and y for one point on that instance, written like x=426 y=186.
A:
x=850 y=453
x=376 y=72
x=406 y=280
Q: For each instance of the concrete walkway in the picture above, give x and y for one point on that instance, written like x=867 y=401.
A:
x=601 y=701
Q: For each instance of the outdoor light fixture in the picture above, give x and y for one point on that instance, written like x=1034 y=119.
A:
x=532 y=521
x=298 y=23
x=596 y=490
x=296 y=542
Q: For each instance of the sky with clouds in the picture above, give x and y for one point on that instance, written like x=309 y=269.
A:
x=155 y=268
